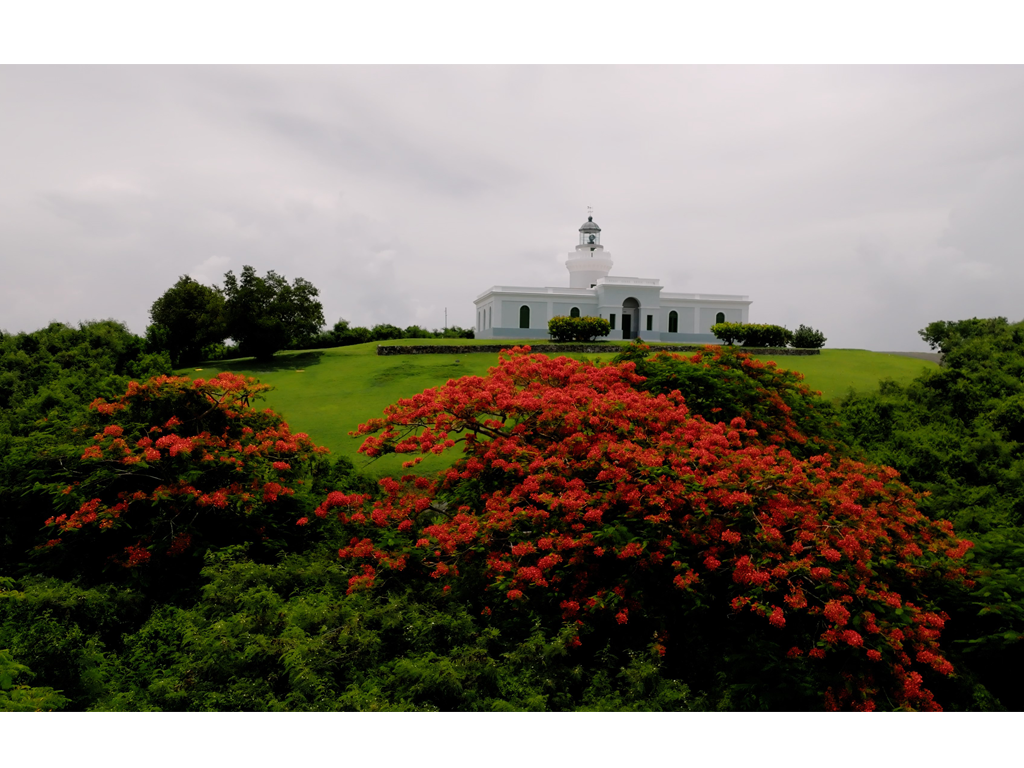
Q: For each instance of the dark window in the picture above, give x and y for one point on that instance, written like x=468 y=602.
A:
x=574 y=312
x=524 y=317
x=611 y=321
x=673 y=322
x=650 y=322
x=720 y=317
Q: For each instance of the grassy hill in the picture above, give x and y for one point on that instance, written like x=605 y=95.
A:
x=328 y=393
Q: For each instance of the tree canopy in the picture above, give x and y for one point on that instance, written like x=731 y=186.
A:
x=186 y=318
x=267 y=314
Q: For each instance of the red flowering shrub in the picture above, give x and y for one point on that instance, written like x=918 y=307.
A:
x=582 y=499
x=722 y=383
x=174 y=466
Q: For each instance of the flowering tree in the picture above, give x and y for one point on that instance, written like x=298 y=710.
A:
x=172 y=467
x=581 y=500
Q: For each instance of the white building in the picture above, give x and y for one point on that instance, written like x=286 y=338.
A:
x=634 y=306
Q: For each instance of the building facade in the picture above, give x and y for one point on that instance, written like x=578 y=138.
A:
x=636 y=307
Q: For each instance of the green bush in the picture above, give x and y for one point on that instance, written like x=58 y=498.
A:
x=806 y=337
x=728 y=333
x=578 y=328
x=753 y=334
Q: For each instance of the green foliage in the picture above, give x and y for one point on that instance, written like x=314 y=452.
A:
x=386 y=332
x=186 y=319
x=284 y=637
x=61 y=631
x=806 y=337
x=956 y=433
x=267 y=314
x=167 y=470
x=267 y=625
x=723 y=383
x=580 y=329
x=47 y=380
x=343 y=334
x=23 y=698
x=729 y=333
x=753 y=334
x=581 y=501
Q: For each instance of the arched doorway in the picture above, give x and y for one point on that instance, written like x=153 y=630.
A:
x=630 y=318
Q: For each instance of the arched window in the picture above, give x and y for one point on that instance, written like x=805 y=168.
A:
x=673 y=322
x=574 y=312
x=720 y=317
x=524 y=316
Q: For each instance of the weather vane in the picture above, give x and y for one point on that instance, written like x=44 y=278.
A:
x=590 y=211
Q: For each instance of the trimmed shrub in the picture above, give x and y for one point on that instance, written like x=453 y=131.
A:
x=753 y=334
x=806 y=337
x=578 y=328
x=728 y=333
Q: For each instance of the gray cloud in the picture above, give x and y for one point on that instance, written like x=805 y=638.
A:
x=866 y=201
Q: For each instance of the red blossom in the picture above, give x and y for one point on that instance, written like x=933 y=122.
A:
x=579 y=463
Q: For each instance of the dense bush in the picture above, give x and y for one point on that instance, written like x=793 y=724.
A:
x=47 y=380
x=956 y=433
x=285 y=637
x=16 y=696
x=806 y=337
x=729 y=333
x=723 y=383
x=168 y=470
x=343 y=334
x=581 y=329
x=618 y=515
x=753 y=334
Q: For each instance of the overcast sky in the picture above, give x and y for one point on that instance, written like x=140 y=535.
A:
x=865 y=201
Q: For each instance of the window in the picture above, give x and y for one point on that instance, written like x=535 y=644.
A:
x=611 y=321
x=650 y=322
x=574 y=312
x=673 y=322
x=524 y=316
x=720 y=317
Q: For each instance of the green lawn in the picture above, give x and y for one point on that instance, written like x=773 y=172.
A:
x=327 y=393
x=835 y=371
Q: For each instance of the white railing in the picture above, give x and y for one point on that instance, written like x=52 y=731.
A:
x=627 y=281
x=706 y=296
x=535 y=290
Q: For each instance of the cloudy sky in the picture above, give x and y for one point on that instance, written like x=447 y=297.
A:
x=866 y=201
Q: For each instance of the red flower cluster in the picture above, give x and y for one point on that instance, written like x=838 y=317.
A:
x=236 y=460
x=572 y=462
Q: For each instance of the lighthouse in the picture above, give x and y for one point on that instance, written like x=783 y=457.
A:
x=590 y=261
x=635 y=307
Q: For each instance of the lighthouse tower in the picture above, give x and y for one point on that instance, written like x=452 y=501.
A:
x=590 y=260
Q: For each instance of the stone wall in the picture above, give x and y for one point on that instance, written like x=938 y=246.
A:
x=586 y=349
